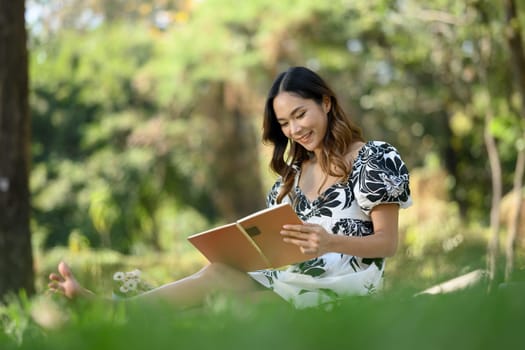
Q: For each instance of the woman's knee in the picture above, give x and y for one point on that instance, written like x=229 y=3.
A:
x=227 y=278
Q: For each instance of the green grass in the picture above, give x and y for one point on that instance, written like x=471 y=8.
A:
x=471 y=319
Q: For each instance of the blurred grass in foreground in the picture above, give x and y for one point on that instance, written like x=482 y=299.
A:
x=435 y=246
x=469 y=319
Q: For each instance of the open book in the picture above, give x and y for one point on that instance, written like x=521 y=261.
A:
x=253 y=242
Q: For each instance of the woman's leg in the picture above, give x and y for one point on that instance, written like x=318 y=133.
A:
x=213 y=278
x=187 y=292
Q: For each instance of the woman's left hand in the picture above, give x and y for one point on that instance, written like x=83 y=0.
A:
x=310 y=238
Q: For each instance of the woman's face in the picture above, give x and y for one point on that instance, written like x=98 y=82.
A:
x=302 y=120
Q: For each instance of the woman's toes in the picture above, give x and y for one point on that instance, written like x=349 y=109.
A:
x=54 y=287
x=55 y=277
x=64 y=270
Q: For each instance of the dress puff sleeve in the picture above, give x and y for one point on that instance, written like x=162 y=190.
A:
x=380 y=177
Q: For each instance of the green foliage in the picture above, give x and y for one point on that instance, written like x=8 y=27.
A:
x=110 y=160
x=15 y=319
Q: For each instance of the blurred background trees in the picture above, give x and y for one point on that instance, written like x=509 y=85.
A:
x=147 y=114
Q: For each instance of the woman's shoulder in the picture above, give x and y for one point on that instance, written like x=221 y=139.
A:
x=378 y=145
x=377 y=148
x=353 y=152
x=379 y=155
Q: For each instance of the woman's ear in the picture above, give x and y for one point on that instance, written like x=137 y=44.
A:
x=327 y=103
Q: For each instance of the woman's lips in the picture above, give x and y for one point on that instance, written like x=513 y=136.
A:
x=304 y=138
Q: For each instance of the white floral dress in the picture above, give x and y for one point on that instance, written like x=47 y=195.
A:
x=378 y=175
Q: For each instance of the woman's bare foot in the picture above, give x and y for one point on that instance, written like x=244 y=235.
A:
x=65 y=283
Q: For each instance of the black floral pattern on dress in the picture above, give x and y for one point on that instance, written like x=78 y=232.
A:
x=377 y=261
x=321 y=206
x=271 y=199
x=353 y=227
x=313 y=267
x=382 y=176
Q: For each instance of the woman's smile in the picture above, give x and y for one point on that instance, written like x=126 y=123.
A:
x=304 y=138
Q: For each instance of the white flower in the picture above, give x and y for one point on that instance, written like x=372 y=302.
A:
x=452 y=242
x=135 y=274
x=118 y=276
x=131 y=285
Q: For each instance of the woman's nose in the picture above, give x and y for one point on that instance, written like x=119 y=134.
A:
x=294 y=128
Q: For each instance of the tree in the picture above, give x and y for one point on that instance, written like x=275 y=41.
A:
x=16 y=262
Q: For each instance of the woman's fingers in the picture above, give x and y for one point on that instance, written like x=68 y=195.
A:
x=301 y=232
x=306 y=237
x=297 y=228
x=306 y=246
x=308 y=250
x=296 y=231
x=297 y=235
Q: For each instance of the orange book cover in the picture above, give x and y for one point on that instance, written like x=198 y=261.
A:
x=253 y=242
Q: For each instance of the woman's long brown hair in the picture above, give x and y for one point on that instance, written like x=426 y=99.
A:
x=340 y=134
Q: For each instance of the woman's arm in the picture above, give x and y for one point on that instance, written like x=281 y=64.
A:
x=313 y=238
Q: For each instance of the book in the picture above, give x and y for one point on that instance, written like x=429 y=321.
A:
x=253 y=242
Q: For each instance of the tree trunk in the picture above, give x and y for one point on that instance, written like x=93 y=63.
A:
x=514 y=40
x=16 y=261
x=237 y=189
x=514 y=222
x=495 y=170
x=485 y=53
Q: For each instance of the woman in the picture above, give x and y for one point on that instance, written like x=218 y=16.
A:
x=347 y=192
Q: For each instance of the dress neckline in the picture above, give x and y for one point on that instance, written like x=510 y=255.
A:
x=337 y=184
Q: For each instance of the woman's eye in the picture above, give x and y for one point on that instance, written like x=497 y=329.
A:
x=300 y=115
